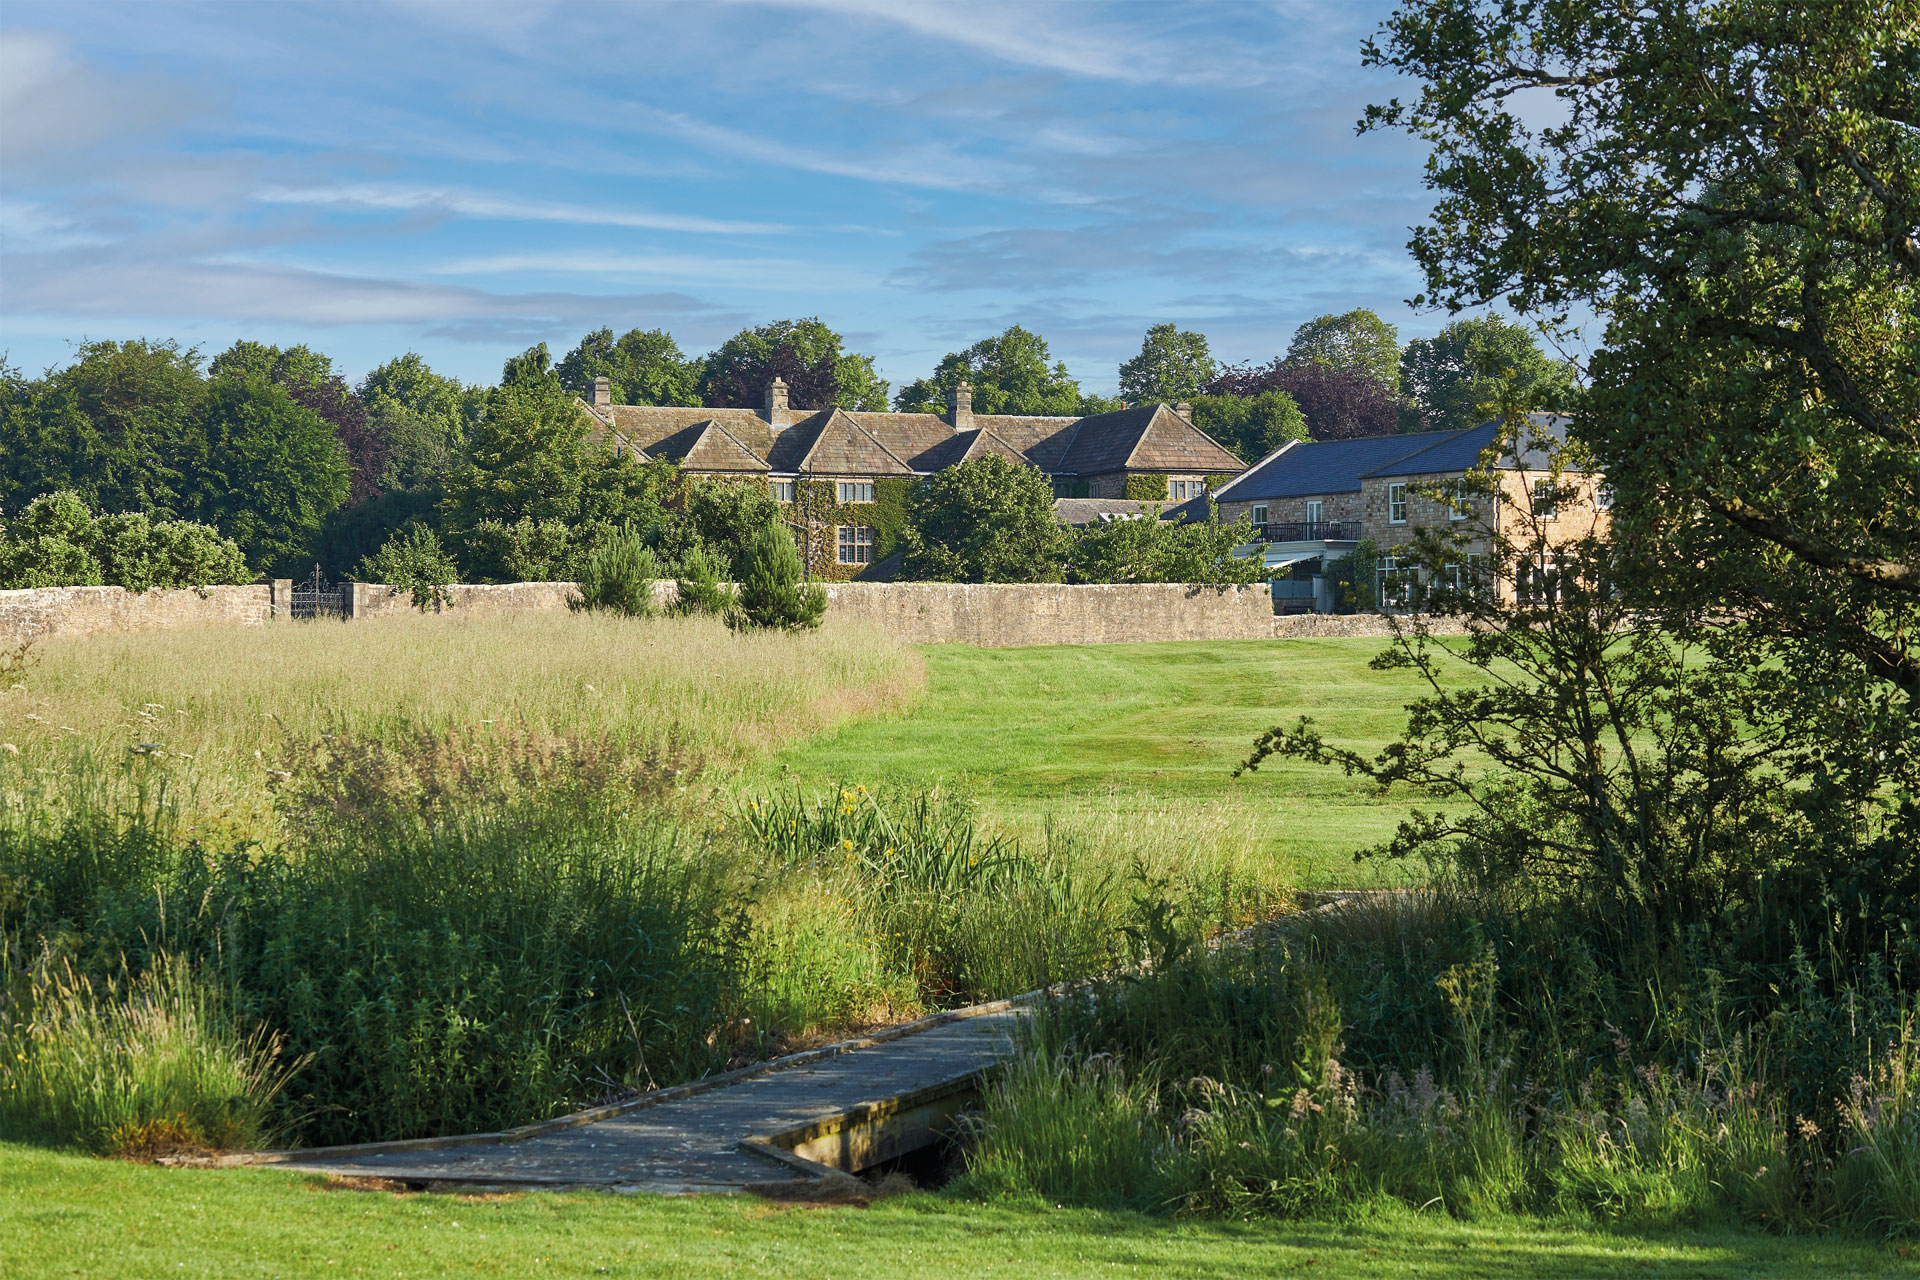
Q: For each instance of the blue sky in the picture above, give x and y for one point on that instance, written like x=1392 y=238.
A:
x=465 y=179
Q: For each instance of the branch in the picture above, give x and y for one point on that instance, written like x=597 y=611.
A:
x=1814 y=550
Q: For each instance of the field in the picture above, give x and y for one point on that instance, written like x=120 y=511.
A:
x=63 y=1215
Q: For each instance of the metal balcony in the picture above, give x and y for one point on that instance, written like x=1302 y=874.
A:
x=1308 y=531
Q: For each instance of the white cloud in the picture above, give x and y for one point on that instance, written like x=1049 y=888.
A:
x=470 y=204
x=784 y=273
x=55 y=104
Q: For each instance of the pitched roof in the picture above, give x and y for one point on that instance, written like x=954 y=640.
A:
x=841 y=446
x=715 y=449
x=1304 y=468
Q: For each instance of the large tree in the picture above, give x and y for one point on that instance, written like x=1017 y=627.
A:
x=1338 y=404
x=1358 y=341
x=422 y=419
x=1251 y=426
x=308 y=375
x=1458 y=377
x=1011 y=372
x=642 y=366
x=1735 y=187
x=805 y=354
x=989 y=519
x=1173 y=365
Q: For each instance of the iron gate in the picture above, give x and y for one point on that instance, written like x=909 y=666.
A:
x=315 y=597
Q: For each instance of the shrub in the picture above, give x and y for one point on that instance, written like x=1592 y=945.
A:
x=1149 y=549
x=413 y=561
x=771 y=591
x=702 y=587
x=618 y=577
x=990 y=519
x=144 y=1064
x=57 y=541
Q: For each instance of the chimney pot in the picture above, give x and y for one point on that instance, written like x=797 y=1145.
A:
x=602 y=392
x=960 y=407
x=779 y=415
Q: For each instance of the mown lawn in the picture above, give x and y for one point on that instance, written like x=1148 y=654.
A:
x=1140 y=728
x=66 y=1215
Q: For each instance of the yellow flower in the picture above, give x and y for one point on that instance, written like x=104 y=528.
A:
x=847 y=845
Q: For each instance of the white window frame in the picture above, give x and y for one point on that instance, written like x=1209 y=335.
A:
x=782 y=490
x=1458 y=509
x=1183 y=490
x=1546 y=500
x=1258 y=514
x=855 y=491
x=1396 y=502
x=853 y=543
x=1389 y=572
x=1316 y=512
x=1602 y=496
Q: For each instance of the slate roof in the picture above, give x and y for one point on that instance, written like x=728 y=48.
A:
x=1305 y=468
x=844 y=442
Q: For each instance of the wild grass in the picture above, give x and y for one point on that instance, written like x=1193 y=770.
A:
x=227 y=705
x=140 y=1063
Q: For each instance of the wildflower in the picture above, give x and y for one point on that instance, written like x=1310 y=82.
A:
x=847 y=845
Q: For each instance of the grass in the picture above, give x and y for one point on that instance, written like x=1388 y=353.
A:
x=1139 y=731
x=62 y=1215
x=226 y=705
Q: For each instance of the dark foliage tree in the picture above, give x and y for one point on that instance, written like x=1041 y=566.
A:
x=805 y=354
x=1456 y=378
x=309 y=377
x=1009 y=373
x=642 y=366
x=532 y=365
x=1338 y=404
x=989 y=519
x=1173 y=365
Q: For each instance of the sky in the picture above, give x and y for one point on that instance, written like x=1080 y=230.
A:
x=466 y=179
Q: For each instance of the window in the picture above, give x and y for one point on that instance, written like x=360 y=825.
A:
x=1546 y=498
x=1602 y=496
x=1458 y=511
x=1393 y=583
x=1396 y=504
x=855 y=491
x=1536 y=580
x=783 y=490
x=1181 y=490
x=1258 y=515
x=856 y=542
x=1313 y=512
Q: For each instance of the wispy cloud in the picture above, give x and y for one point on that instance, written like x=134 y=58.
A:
x=452 y=202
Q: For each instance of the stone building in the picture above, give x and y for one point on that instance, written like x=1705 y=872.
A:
x=830 y=464
x=1313 y=503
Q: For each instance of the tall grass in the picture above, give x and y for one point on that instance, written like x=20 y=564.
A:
x=226 y=705
x=141 y=1063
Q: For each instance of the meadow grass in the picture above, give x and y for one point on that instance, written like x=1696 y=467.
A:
x=227 y=705
x=62 y=1214
x=1139 y=734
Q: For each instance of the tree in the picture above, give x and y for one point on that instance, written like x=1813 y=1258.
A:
x=1173 y=365
x=1735 y=187
x=299 y=366
x=1358 y=341
x=532 y=365
x=264 y=469
x=1149 y=549
x=1455 y=379
x=1009 y=373
x=643 y=366
x=1338 y=404
x=990 y=519
x=309 y=377
x=720 y=518
x=1251 y=426
x=421 y=418
x=805 y=354
x=536 y=493
x=772 y=594
x=413 y=560
x=58 y=542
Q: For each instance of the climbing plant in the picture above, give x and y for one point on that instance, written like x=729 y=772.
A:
x=1151 y=487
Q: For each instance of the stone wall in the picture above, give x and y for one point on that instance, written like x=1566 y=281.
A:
x=1307 y=626
x=43 y=612
x=1001 y=616
x=377 y=600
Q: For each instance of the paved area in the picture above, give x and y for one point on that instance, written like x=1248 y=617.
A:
x=691 y=1142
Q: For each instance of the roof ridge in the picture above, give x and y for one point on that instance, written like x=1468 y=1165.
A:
x=1447 y=437
x=835 y=411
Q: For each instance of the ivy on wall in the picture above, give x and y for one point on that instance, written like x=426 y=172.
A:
x=817 y=509
x=1148 y=487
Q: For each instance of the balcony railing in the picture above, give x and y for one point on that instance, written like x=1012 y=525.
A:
x=1308 y=531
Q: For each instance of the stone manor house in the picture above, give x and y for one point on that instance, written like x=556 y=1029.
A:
x=1311 y=502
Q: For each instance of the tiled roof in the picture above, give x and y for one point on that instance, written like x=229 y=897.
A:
x=1337 y=466
x=1082 y=511
x=843 y=442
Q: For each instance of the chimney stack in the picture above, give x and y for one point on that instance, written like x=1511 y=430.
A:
x=779 y=416
x=1185 y=410
x=960 y=407
x=602 y=393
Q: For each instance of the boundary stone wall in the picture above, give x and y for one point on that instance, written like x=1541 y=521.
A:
x=40 y=612
x=992 y=615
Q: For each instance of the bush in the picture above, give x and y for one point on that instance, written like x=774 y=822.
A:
x=413 y=561
x=702 y=588
x=771 y=591
x=144 y=1064
x=1149 y=549
x=56 y=541
x=990 y=519
x=618 y=577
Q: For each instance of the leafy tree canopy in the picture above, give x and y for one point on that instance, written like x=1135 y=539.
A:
x=1338 y=404
x=299 y=366
x=1456 y=379
x=421 y=418
x=57 y=541
x=805 y=354
x=1250 y=426
x=534 y=364
x=1009 y=373
x=1173 y=365
x=1358 y=341
x=990 y=519
x=643 y=366
x=1149 y=549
